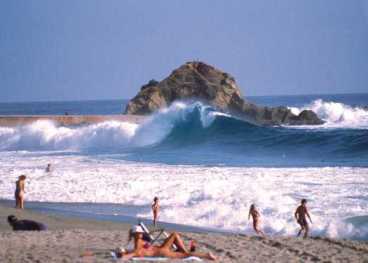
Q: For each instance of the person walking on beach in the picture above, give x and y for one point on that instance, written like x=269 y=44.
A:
x=155 y=209
x=256 y=216
x=301 y=215
x=19 y=192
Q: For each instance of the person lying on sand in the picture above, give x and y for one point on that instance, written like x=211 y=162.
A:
x=301 y=215
x=143 y=248
x=25 y=225
x=256 y=216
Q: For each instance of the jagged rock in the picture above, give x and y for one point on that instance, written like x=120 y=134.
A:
x=199 y=81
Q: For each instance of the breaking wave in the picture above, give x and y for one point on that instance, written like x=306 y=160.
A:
x=337 y=115
x=183 y=132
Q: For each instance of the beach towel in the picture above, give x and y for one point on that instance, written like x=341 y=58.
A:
x=114 y=256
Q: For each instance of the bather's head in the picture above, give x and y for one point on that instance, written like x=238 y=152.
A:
x=304 y=201
x=12 y=219
x=22 y=177
x=136 y=232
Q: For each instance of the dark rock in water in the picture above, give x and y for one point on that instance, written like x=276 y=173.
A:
x=199 y=81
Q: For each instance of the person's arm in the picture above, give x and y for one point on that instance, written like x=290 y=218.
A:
x=258 y=214
x=296 y=214
x=306 y=212
x=249 y=215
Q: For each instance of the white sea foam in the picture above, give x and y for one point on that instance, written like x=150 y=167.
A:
x=336 y=115
x=46 y=135
x=217 y=197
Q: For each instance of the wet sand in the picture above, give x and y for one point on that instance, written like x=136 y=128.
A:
x=80 y=240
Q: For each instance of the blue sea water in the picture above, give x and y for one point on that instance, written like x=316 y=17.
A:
x=207 y=167
x=106 y=107
x=197 y=135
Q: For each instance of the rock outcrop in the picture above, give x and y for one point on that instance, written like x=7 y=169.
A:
x=199 y=81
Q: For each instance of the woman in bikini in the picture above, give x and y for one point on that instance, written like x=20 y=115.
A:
x=143 y=248
x=19 y=192
x=256 y=216
x=155 y=210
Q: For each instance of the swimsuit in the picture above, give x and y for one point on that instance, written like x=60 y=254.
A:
x=302 y=221
x=17 y=190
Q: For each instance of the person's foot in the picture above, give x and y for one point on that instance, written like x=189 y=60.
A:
x=211 y=256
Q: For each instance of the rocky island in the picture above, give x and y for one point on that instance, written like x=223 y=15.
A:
x=198 y=81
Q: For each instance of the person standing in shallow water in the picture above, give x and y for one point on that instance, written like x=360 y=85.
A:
x=19 y=192
x=48 y=168
x=155 y=210
x=256 y=216
x=301 y=215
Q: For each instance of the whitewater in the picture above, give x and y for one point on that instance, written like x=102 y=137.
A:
x=207 y=167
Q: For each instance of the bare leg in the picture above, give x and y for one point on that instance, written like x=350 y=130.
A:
x=260 y=232
x=22 y=202
x=208 y=256
x=174 y=238
x=154 y=219
x=301 y=230
x=306 y=231
x=172 y=254
x=256 y=228
x=16 y=202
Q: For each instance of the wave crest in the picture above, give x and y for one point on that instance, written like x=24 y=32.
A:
x=337 y=115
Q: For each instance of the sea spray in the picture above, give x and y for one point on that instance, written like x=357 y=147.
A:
x=216 y=197
x=337 y=115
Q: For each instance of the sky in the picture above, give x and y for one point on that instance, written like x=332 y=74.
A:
x=95 y=49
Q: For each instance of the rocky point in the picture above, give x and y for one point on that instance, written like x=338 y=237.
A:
x=198 y=81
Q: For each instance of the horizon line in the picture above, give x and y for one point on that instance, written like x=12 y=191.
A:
x=272 y=95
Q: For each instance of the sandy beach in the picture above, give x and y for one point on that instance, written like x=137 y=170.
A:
x=80 y=240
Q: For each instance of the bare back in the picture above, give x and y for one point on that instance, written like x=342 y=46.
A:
x=301 y=212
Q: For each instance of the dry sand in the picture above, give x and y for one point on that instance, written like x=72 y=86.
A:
x=79 y=240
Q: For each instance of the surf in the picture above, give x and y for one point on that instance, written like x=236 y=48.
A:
x=189 y=131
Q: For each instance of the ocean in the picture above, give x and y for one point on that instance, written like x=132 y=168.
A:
x=205 y=166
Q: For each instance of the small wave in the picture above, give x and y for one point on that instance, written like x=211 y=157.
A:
x=337 y=115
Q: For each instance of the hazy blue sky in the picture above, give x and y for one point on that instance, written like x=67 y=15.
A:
x=72 y=50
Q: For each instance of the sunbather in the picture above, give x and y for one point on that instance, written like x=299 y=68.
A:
x=143 y=248
x=25 y=225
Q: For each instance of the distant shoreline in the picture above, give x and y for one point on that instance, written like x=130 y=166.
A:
x=127 y=99
x=67 y=120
